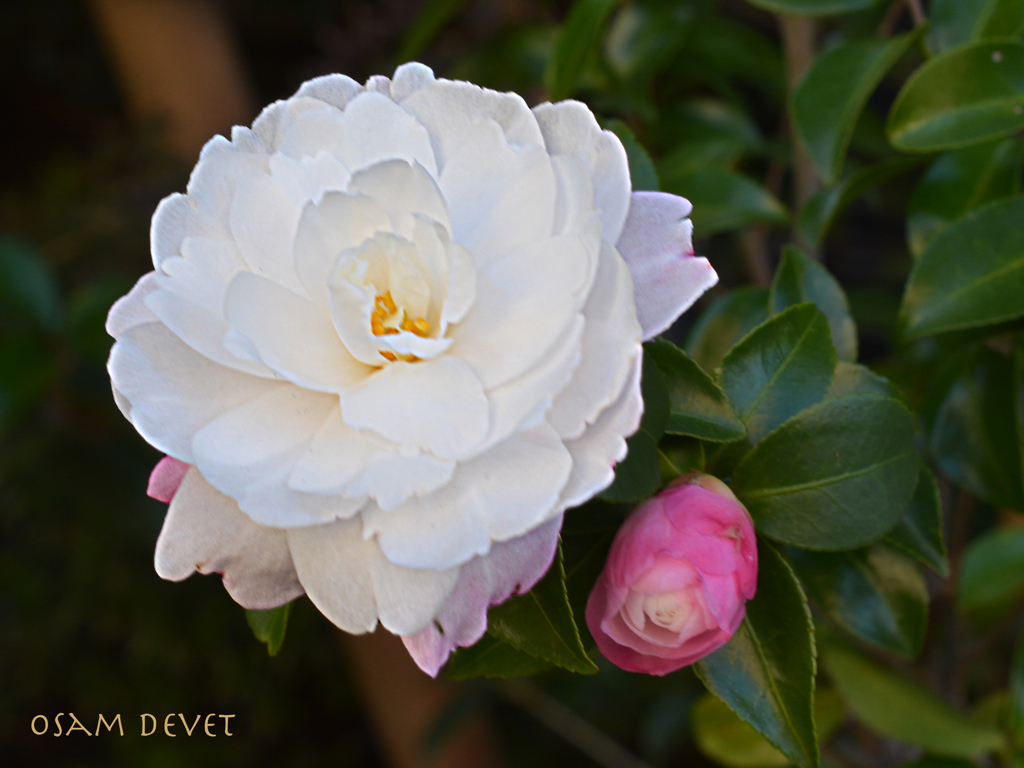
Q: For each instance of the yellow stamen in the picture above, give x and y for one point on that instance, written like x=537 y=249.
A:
x=388 y=302
x=419 y=326
x=389 y=356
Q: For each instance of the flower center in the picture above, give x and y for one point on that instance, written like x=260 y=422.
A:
x=385 y=321
x=668 y=610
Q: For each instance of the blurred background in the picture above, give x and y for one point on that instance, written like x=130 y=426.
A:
x=106 y=105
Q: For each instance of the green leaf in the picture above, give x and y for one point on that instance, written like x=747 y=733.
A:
x=975 y=438
x=490 y=657
x=972 y=275
x=644 y=37
x=821 y=209
x=730 y=49
x=765 y=673
x=697 y=406
x=799 y=279
x=587 y=535
x=876 y=593
x=919 y=533
x=856 y=379
x=779 y=369
x=1015 y=719
x=899 y=709
x=678 y=455
x=828 y=100
x=27 y=284
x=541 y=623
x=724 y=200
x=971 y=94
x=729 y=318
x=269 y=626
x=954 y=22
x=814 y=7
x=958 y=182
x=707 y=132
x=434 y=17
x=723 y=737
x=641 y=169
x=579 y=37
x=992 y=572
x=638 y=475
x=836 y=476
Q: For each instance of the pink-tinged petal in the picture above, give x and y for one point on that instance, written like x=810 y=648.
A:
x=166 y=478
x=511 y=567
x=724 y=601
x=667 y=277
x=205 y=531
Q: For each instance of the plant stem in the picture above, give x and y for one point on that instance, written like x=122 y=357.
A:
x=798 y=44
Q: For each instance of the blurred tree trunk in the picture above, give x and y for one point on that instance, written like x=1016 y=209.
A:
x=177 y=62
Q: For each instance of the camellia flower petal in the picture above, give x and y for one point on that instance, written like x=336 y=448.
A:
x=393 y=332
x=677 y=578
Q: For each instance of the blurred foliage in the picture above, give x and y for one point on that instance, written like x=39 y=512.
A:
x=925 y=123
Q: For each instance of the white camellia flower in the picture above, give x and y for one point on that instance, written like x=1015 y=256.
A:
x=394 y=332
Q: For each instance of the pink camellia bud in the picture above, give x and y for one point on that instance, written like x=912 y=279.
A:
x=677 y=578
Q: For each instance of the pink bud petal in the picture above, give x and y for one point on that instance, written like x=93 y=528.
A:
x=166 y=478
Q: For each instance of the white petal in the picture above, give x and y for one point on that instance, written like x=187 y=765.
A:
x=248 y=453
x=524 y=304
x=291 y=335
x=404 y=191
x=611 y=335
x=380 y=84
x=500 y=196
x=336 y=90
x=355 y=463
x=511 y=567
x=603 y=445
x=434 y=405
x=205 y=210
x=205 y=531
x=263 y=222
x=486 y=500
x=338 y=222
x=309 y=178
x=409 y=78
x=173 y=390
x=352 y=583
x=452 y=109
x=130 y=310
x=655 y=244
x=570 y=128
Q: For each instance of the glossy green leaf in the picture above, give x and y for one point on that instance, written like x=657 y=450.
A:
x=707 y=132
x=434 y=17
x=968 y=95
x=954 y=22
x=821 y=209
x=779 y=369
x=958 y=182
x=579 y=37
x=799 y=279
x=919 y=534
x=587 y=535
x=723 y=737
x=643 y=37
x=492 y=658
x=269 y=626
x=729 y=318
x=828 y=100
x=974 y=436
x=900 y=709
x=697 y=406
x=814 y=7
x=877 y=593
x=540 y=623
x=642 y=174
x=724 y=200
x=678 y=455
x=836 y=476
x=972 y=275
x=765 y=673
x=856 y=379
x=27 y=284
x=1015 y=716
x=992 y=572
x=638 y=475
